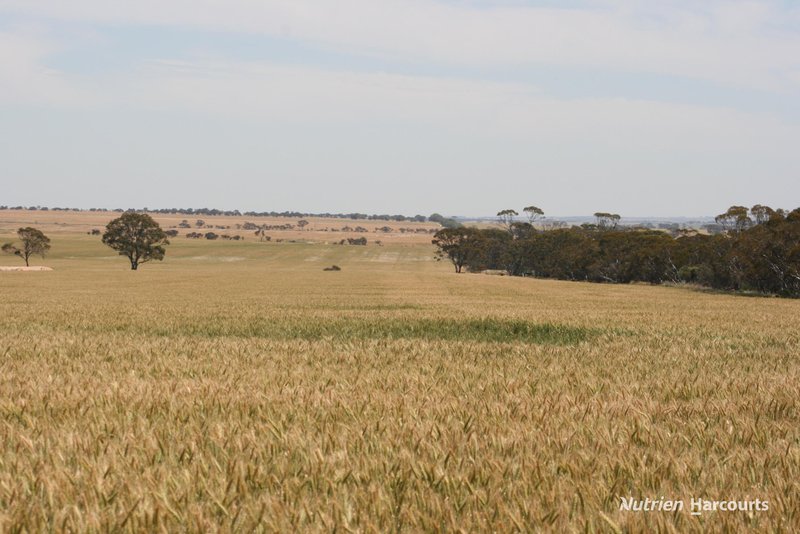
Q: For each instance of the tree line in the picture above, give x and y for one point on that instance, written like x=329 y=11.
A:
x=759 y=250
x=210 y=212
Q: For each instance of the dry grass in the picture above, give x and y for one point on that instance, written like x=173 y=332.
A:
x=266 y=394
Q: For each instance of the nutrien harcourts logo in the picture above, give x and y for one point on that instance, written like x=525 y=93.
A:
x=696 y=506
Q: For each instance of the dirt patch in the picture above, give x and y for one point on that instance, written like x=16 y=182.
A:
x=14 y=269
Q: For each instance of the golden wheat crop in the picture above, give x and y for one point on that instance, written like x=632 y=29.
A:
x=238 y=387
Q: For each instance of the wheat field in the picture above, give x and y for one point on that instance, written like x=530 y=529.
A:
x=239 y=387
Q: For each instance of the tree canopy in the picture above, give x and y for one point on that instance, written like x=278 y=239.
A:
x=737 y=219
x=444 y=221
x=533 y=213
x=760 y=252
x=33 y=243
x=607 y=221
x=506 y=218
x=458 y=245
x=136 y=236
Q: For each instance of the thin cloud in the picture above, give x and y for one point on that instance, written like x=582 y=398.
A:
x=741 y=43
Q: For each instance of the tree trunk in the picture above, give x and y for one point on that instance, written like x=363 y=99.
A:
x=134 y=265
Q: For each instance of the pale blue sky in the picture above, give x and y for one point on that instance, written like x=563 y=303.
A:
x=390 y=106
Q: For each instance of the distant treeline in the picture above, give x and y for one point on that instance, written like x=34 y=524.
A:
x=209 y=212
x=759 y=250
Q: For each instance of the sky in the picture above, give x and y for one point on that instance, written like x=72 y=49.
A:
x=669 y=108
